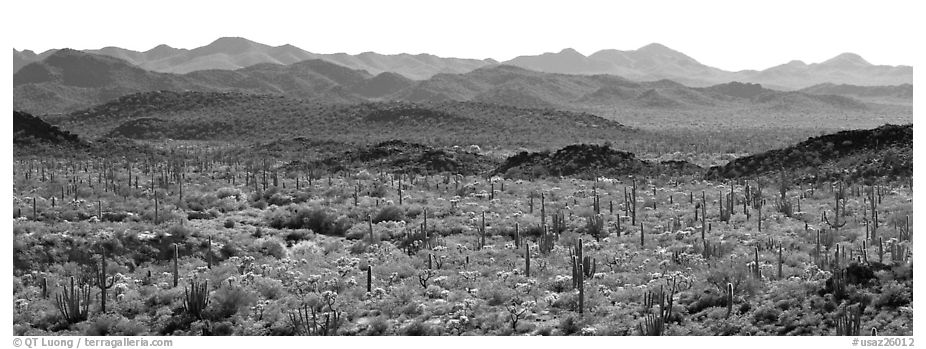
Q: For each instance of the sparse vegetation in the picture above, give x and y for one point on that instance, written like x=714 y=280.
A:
x=272 y=259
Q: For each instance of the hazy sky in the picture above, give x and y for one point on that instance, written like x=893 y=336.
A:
x=731 y=35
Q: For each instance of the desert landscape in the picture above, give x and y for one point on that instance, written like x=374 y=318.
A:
x=240 y=188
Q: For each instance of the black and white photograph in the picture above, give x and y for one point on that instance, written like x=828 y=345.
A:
x=687 y=169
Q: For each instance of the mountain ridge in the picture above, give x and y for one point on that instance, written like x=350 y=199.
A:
x=651 y=62
x=69 y=80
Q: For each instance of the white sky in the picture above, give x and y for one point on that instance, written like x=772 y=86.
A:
x=731 y=35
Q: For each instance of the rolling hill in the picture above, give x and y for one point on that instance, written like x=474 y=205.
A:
x=896 y=94
x=511 y=85
x=234 y=116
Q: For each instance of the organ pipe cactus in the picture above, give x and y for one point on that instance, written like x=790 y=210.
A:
x=850 y=323
x=547 y=241
x=594 y=225
x=196 y=298
x=652 y=325
x=74 y=302
x=559 y=222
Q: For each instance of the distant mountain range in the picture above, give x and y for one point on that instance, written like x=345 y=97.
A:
x=236 y=53
x=649 y=63
x=69 y=80
x=655 y=61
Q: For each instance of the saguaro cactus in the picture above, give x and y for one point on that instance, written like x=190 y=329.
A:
x=835 y=224
x=176 y=265
x=482 y=231
x=399 y=189
x=633 y=202
x=780 y=261
x=370 y=278
x=527 y=259
x=641 y=236
x=100 y=279
x=729 y=296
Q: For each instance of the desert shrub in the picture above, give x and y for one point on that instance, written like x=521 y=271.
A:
x=179 y=232
x=317 y=219
x=696 y=302
x=736 y=273
x=414 y=211
x=416 y=328
x=270 y=288
x=378 y=326
x=115 y=216
x=295 y=236
x=113 y=325
x=272 y=248
x=331 y=246
x=544 y=331
x=766 y=315
x=903 y=272
x=228 y=301
x=496 y=296
x=279 y=199
x=199 y=215
x=227 y=192
x=223 y=328
x=569 y=326
x=359 y=247
x=389 y=213
x=230 y=249
x=378 y=191
x=567 y=301
x=893 y=294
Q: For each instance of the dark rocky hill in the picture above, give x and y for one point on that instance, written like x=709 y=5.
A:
x=31 y=130
x=587 y=161
x=886 y=151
